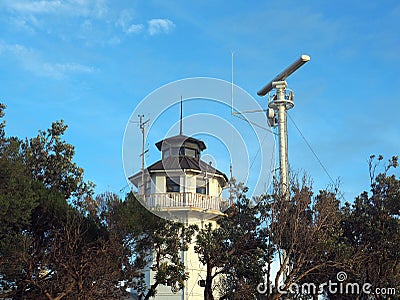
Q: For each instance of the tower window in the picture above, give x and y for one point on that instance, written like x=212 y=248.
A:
x=174 y=151
x=191 y=152
x=202 y=187
x=172 y=185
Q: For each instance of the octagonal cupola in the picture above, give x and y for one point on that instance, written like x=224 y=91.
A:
x=181 y=146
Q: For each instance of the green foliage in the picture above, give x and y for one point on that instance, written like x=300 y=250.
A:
x=372 y=227
x=2 y=123
x=51 y=248
x=150 y=236
x=17 y=196
x=50 y=160
x=63 y=253
x=304 y=238
x=234 y=253
x=57 y=241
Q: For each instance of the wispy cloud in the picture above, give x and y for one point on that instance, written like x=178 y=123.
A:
x=34 y=7
x=93 y=8
x=134 y=28
x=36 y=15
x=32 y=62
x=157 y=26
x=125 y=22
x=60 y=69
x=154 y=26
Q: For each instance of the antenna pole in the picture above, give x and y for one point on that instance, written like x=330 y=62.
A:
x=230 y=184
x=277 y=107
x=142 y=126
x=232 y=84
x=180 y=124
x=283 y=136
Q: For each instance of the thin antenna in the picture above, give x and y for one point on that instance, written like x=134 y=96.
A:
x=142 y=126
x=180 y=124
x=232 y=84
x=230 y=184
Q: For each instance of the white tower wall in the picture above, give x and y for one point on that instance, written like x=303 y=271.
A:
x=196 y=271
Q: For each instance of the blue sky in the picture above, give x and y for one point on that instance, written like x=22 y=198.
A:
x=91 y=62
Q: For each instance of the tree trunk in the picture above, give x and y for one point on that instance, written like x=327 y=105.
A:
x=208 y=294
x=151 y=291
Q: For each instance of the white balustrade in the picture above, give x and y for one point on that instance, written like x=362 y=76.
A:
x=185 y=200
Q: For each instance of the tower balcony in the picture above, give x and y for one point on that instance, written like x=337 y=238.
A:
x=185 y=201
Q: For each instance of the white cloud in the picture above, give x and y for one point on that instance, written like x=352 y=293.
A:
x=113 y=41
x=22 y=23
x=89 y=20
x=61 y=69
x=35 y=7
x=157 y=26
x=125 y=22
x=85 y=8
x=134 y=28
x=33 y=63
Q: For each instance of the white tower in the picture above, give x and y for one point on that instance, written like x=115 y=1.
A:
x=182 y=187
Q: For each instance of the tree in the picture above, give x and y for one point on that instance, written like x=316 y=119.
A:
x=51 y=245
x=18 y=198
x=50 y=160
x=2 y=124
x=299 y=235
x=234 y=252
x=17 y=201
x=304 y=239
x=372 y=227
x=64 y=254
x=155 y=244
x=58 y=241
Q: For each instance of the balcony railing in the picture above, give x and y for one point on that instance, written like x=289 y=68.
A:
x=186 y=200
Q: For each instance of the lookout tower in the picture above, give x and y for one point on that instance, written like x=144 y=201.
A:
x=182 y=187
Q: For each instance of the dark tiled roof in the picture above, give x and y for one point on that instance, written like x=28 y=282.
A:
x=184 y=163
x=179 y=139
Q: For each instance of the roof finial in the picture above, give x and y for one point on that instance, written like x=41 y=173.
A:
x=180 y=125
